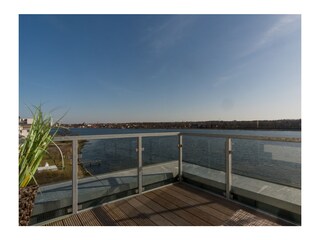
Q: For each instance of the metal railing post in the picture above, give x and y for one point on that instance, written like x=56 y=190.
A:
x=74 y=176
x=228 y=174
x=139 y=155
x=180 y=157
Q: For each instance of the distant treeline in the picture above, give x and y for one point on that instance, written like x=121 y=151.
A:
x=286 y=124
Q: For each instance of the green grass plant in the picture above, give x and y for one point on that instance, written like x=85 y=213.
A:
x=34 y=147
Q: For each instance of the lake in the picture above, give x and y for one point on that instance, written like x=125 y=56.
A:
x=277 y=162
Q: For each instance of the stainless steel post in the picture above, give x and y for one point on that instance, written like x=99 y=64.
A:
x=74 y=176
x=228 y=167
x=139 y=155
x=180 y=158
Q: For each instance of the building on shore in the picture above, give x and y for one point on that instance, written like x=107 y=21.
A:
x=24 y=126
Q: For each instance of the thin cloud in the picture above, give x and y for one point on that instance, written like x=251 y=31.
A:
x=222 y=79
x=279 y=29
x=168 y=34
x=229 y=75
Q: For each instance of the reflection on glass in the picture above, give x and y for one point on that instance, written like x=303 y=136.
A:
x=277 y=162
x=160 y=160
x=107 y=170
x=205 y=152
x=54 y=176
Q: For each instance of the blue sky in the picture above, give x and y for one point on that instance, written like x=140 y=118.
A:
x=126 y=68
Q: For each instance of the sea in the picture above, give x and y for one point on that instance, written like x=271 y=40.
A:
x=277 y=162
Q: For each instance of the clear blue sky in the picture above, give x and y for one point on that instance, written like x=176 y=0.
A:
x=126 y=68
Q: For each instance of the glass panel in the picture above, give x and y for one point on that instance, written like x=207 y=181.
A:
x=107 y=170
x=204 y=151
x=159 y=160
x=204 y=161
x=276 y=162
x=54 y=177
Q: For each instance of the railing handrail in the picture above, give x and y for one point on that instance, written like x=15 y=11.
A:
x=248 y=137
x=115 y=136
x=165 y=134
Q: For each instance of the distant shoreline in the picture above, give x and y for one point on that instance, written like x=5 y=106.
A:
x=274 y=125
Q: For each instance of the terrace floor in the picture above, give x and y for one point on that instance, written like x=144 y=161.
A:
x=173 y=205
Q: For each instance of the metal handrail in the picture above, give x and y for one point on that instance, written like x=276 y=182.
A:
x=115 y=136
x=132 y=135
x=247 y=137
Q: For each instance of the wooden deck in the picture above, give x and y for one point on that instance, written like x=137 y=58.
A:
x=172 y=205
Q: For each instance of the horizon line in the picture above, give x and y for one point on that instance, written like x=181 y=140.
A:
x=254 y=120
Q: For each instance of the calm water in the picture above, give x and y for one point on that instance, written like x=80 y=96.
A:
x=272 y=161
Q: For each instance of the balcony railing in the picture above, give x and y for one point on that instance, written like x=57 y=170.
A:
x=212 y=160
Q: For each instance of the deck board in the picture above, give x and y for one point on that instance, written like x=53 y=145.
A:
x=104 y=217
x=176 y=204
x=218 y=203
x=72 y=221
x=157 y=208
x=205 y=204
x=191 y=208
x=176 y=208
x=140 y=218
x=207 y=214
x=120 y=217
x=87 y=218
x=152 y=215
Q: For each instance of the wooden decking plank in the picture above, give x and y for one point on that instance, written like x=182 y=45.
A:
x=205 y=205
x=135 y=215
x=170 y=216
x=152 y=215
x=72 y=221
x=104 y=218
x=177 y=204
x=119 y=216
x=191 y=208
x=200 y=206
x=222 y=204
x=87 y=218
x=57 y=223
x=180 y=211
x=60 y=223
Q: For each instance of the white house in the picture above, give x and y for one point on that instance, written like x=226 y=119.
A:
x=24 y=126
x=29 y=120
